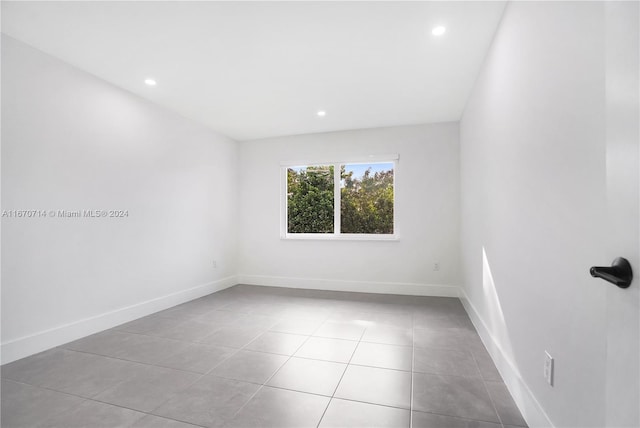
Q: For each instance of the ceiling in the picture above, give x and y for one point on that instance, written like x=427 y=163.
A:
x=253 y=70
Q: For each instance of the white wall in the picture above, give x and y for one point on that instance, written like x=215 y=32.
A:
x=427 y=210
x=72 y=141
x=534 y=210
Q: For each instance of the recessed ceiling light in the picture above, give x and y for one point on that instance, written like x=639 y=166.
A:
x=438 y=31
x=321 y=113
x=150 y=82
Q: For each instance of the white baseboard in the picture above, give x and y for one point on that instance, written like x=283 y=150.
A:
x=352 y=286
x=47 y=339
x=531 y=410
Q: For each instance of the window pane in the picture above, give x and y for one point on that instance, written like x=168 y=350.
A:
x=366 y=204
x=310 y=199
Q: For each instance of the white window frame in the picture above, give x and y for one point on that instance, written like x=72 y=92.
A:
x=337 y=235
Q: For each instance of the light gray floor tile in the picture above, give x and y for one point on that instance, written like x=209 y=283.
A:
x=180 y=313
x=280 y=408
x=296 y=326
x=244 y=307
x=198 y=357
x=453 y=396
x=218 y=300
x=190 y=330
x=210 y=402
x=376 y=386
x=353 y=414
x=465 y=323
x=206 y=336
x=313 y=376
x=26 y=369
x=436 y=321
x=25 y=406
x=430 y=420
x=322 y=348
x=487 y=368
x=309 y=313
x=213 y=301
x=384 y=356
x=128 y=346
x=340 y=330
x=444 y=338
x=439 y=306
x=250 y=366
x=397 y=320
x=151 y=421
x=264 y=322
x=274 y=308
x=506 y=407
x=389 y=335
x=94 y=415
x=201 y=305
x=148 y=388
x=148 y=324
x=445 y=361
x=277 y=343
x=351 y=316
x=188 y=310
x=70 y=371
x=220 y=318
x=233 y=336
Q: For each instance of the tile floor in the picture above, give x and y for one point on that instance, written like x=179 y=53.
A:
x=268 y=357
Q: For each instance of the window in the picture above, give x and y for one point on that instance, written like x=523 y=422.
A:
x=339 y=200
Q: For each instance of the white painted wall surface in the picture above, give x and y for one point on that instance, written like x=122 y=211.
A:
x=534 y=159
x=71 y=141
x=427 y=209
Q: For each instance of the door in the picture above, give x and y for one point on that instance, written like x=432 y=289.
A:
x=623 y=194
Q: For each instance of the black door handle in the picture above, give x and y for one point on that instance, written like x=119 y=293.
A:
x=619 y=273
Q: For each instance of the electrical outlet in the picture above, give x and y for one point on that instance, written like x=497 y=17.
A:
x=436 y=266
x=215 y=264
x=548 y=368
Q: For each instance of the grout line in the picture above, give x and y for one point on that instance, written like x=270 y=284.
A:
x=461 y=417
x=242 y=300
x=209 y=371
x=388 y=406
x=346 y=367
x=201 y=376
x=158 y=365
x=276 y=372
x=484 y=384
x=52 y=390
x=413 y=363
x=244 y=348
x=93 y=399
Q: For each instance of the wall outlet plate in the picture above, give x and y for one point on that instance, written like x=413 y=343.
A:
x=548 y=368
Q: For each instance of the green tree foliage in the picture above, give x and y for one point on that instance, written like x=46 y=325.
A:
x=310 y=199
x=367 y=203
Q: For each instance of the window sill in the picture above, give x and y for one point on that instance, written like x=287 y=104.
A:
x=341 y=237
